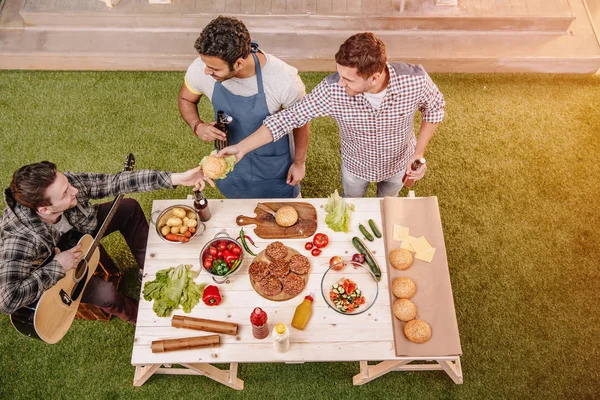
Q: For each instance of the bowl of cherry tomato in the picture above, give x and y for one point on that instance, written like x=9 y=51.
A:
x=222 y=257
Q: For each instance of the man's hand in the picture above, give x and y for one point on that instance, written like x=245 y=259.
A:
x=193 y=177
x=419 y=173
x=296 y=173
x=68 y=259
x=234 y=150
x=208 y=132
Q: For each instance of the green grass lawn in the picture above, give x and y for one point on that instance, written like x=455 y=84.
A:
x=515 y=168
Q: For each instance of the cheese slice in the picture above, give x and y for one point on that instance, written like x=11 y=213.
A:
x=400 y=232
x=421 y=245
x=406 y=245
x=426 y=256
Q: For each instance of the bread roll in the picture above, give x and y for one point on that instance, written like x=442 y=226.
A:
x=286 y=216
x=405 y=310
x=401 y=259
x=403 y=288
x=417 y=331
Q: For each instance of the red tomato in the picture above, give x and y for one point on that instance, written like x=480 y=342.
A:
x=320 y=240
x=208 y=264
x=222 y=246
x=209 y=257
x=236 y=250
x=315 y=252
x=212 y=251
x=308 y=246
x=219 y=254
x=230 y=246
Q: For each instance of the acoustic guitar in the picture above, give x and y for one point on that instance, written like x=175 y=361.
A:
x=50 y=317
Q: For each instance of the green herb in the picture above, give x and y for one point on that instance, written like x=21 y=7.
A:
x=338 y=213
x=172 y=287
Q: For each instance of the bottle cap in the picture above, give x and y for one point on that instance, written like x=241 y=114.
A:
x=310 y=297
x=280 y=328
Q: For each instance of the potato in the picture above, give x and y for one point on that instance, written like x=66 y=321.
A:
x=175 y=229
x=179 y=212
x=185 y=220
x=183 y=229
x=165 y=230
x=174 y=221
x=192 y=223
x=191 y=215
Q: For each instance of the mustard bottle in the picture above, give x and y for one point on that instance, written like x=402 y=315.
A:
x=303 y=313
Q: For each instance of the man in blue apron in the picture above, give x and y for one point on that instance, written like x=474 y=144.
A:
x=248 y=85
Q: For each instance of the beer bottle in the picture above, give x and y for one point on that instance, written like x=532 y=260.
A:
x=409 y=182
x=222 y=124
x=201 y=205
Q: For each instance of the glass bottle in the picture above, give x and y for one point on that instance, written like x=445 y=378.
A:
x=201 y=205
x=222 y=124
x=258 y=319
x=303 y=313
x=409 y=182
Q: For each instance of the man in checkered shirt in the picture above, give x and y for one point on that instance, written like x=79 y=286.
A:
x=44 y=205
x=374 y=104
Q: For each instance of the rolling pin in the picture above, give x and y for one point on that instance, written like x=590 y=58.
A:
x=228 y=328
x=161 y=346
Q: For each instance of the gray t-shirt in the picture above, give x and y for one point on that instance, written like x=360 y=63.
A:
x=282 y=84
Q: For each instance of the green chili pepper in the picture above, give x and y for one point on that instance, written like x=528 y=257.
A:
x=245 y=244
x=233 y=267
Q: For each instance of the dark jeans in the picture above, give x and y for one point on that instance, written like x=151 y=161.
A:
x=130 y=220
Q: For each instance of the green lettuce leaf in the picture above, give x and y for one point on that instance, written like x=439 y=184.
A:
x=172 y=287
x=338 y=213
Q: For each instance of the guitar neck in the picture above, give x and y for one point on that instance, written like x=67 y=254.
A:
x=104 y=226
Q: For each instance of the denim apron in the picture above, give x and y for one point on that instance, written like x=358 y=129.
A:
x=262 y=173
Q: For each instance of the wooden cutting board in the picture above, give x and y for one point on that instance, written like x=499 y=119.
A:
x=267 y=228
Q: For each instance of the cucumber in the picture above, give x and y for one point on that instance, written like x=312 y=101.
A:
x=365 y=232
x=374 y=228
x=369 y=259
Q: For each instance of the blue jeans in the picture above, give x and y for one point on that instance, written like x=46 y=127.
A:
x=356 y=187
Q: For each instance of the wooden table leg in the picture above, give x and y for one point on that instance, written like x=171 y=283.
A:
x=143 y=372
x=370 y=372
x=227 y=378
x=453 y=370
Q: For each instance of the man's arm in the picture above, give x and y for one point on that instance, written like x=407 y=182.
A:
x=188 y=108
x=432 y=106
x=297 y=170
x=317 y=103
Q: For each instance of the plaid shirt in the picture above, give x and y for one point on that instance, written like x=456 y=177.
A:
x=26 y=241
x=375 y=144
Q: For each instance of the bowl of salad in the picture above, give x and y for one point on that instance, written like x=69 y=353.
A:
x=351 y=289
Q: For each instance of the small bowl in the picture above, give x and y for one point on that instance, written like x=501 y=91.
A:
x=222 y=237
x=161 y=220
x=357 y=273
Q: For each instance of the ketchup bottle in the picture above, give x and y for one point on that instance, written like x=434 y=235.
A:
x=409 y=182
x=258 y=319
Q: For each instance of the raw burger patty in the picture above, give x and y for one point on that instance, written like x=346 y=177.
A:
x=279 y=269
x=276 y=251
x=299 y=264
x=293 y=284
x=271 y=286
x=258 y=270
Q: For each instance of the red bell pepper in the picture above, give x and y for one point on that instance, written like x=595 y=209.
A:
x=229 y=257
x=211 y=296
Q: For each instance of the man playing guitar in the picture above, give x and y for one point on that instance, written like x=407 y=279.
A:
x=44 y=206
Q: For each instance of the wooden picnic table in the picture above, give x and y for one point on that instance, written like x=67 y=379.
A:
x=329 y=336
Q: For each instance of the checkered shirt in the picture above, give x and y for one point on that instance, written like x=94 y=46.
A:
x=26 y=241
x=375 y=144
